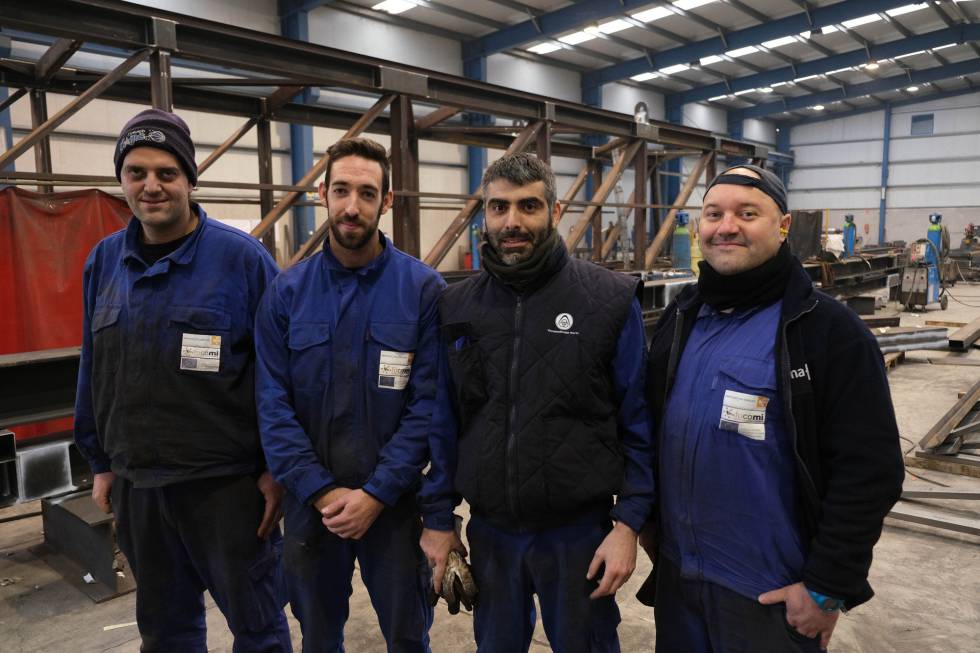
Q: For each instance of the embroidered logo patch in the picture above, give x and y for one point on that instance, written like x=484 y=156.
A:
x=564 y=321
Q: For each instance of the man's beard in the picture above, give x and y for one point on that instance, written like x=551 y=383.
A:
x=534 y=239
x=354 y=241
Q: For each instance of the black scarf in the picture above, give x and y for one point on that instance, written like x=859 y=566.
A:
x=759 y=286
x=521 y=274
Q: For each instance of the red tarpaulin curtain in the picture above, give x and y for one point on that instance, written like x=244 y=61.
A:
x=44 y=241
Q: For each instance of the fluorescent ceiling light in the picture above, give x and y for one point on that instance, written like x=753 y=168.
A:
x=806 y=34
x=741 y=52
x=943 y=47
x=614 y=26
x=707 y=61
x=828 y=29
x=817 y=107
x=716 y=98
x=543 y=48
x=910 y=54
x=748 y=90
x=871 y=65
x=576 y=37
x=765 y=89
x=863 y=20
x=670 y=70
x=778 y=84
x=651 y=15
x=778 y=43
x=642 y=77
x=394 y=6
x=691 y=4
x=912 y=89
x=906 y=9
x=803 y=79
x=839 y=70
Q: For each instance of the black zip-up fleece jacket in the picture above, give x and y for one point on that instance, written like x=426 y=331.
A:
x=838 y=408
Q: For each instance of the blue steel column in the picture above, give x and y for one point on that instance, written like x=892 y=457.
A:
x=592 y=96
x=783 y=145
x=671 y=185
x=885 y=147
x=476 y=158
x=736 y=129
x=295 y=25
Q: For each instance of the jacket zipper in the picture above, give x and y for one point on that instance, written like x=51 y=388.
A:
x=788 y=405
x=511 y=454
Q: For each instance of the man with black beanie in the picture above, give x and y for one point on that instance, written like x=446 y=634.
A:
x=165 y=408
x=776 y=441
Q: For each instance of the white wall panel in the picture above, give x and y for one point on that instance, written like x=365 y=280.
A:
x=339 y=29
x=835 y=178
x=260 y=15
x=838 y=153
x=925 y=174
x=865 y=125
x=622 y=98
x=534 y=77
x=833 y=199
x=763 y=131
x=935 y=147
x=703 y=116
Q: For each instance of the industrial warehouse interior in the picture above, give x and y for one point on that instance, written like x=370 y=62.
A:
x=866 y=112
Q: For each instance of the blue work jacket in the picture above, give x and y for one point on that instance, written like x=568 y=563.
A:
x=728 y=493
x=166 y=379
x=347 y=365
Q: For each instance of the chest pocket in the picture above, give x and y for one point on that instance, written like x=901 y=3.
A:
x=391 y=354
x=199 y=339
x=104 y=317
x=747 y=398
x=309 y=354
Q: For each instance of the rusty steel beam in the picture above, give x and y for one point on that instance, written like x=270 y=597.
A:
x=668 y=223
x=462 y=220
x=311 y=176
x=405 y=176
x=573 y=191
x=602 y=192
x=962 y=338
x=609 y=242
x=56 y=56
x=73 y=107
x=437 y=116
x=640 y=176
x=938 y=433
x=42 y=148
x=161 y=90
x=16 y=95
x=614 y=144
x=595 y=223
x=226 y=145
x=543 y=143
x=263 y=131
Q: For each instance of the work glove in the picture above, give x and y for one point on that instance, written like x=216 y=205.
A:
x=458 y=585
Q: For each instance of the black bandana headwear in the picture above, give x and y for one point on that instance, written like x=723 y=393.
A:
x=768 y=183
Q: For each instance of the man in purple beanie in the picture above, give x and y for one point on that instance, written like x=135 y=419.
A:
x=165 y=410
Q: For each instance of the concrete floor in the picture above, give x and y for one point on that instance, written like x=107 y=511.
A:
x=927 y=581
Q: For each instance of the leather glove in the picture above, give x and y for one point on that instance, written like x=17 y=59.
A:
x=458 y=585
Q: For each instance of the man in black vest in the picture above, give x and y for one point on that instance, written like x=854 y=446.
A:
x=777 y=445
x=546 y=360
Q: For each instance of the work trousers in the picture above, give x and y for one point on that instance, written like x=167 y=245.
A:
x=320 y=565
x=695 y=616
x=183 y=538
x=510 y=568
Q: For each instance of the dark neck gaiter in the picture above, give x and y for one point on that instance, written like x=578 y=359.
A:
x=756 y=287
x=520 y=275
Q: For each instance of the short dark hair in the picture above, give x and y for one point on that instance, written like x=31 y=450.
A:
x=522 y=169
x=364 y=148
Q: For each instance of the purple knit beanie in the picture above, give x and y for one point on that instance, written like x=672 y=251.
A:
x=162 y=130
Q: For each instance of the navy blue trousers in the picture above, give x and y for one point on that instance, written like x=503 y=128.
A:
x=510 y=568
x=187 y=537
x=319 y=568
x=695 y=616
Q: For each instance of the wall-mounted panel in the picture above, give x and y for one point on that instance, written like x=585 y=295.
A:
x=852 y=153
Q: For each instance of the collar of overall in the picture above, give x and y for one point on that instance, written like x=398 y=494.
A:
x=759 y=286
x=543 y=262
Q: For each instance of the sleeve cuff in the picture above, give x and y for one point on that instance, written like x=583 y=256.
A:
x=622 y=513
x=310 y=484
x=379 y=491
x=100 y=466
x=439 y=521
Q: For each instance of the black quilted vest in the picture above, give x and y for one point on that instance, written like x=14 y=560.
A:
x=532 y=373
